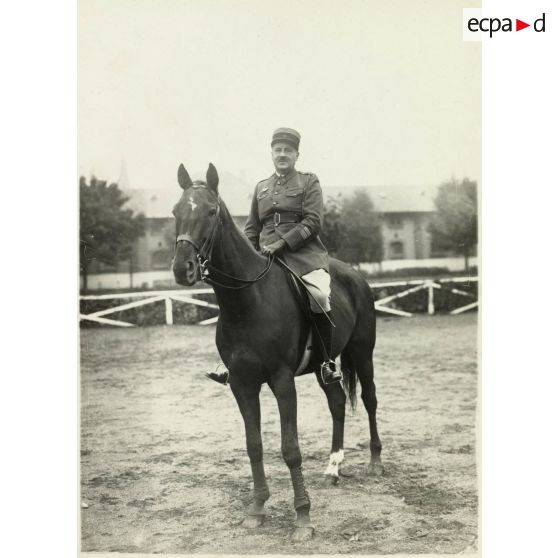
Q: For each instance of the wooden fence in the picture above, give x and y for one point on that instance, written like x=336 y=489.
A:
x=188 y=297
x=425 y=284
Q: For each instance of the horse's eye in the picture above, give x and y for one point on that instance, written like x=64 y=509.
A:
x=212 y=211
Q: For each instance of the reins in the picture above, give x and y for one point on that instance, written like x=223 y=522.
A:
x=204 y=253
x=206 y=267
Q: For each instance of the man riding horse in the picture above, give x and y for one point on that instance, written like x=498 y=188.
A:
x=285 y=219
x=262 y=330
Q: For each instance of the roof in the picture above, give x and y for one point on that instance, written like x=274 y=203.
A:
x=158 y=202
x=392 y=199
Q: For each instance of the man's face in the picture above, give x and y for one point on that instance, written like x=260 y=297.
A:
x=284 y=157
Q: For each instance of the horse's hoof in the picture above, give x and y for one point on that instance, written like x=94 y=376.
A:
x=253 y=521
x=331 y=479
x=375 y=469
x=301 y=534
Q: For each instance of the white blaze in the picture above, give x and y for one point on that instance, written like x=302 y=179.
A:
x=192 y=204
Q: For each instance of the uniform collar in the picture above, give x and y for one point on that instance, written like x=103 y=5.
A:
x=287 y=176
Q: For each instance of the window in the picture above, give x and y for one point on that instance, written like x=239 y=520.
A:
x=107 y=267
x=396 y=251
x=157 y=225
x=160 y=259
x=395 y=222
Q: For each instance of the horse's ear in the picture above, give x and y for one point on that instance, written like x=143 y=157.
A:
x=184 y=178
x=212 y=178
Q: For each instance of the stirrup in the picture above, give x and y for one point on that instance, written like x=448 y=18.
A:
x=329 y=372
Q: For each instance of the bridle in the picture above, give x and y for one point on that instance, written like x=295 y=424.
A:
x=205 y=252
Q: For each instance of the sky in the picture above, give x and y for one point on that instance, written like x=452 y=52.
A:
x=382 y=92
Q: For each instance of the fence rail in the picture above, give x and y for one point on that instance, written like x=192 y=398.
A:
x=188 y=297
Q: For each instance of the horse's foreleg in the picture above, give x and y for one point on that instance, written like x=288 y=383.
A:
x=285 y=392
x=248 y=399
x=336 y=400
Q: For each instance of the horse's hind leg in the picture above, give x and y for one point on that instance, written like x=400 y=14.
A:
x=336 y=400
x=248 y=399
x=365 y=372
x=360 y=358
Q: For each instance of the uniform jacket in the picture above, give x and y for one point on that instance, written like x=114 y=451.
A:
x=297 y=193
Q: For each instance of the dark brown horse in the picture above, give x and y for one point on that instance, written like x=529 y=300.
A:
x=262 y=334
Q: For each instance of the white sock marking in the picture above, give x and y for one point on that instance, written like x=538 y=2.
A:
x=335 y=459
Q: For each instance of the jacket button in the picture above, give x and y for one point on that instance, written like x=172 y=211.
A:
x=275 y=203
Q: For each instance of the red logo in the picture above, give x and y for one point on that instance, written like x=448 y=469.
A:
x=493 y=25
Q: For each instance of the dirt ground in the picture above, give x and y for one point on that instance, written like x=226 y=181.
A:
x=164 y=467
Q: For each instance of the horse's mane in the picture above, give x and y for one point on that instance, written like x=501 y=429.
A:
x=231 y=222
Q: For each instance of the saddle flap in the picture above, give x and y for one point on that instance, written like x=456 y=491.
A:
x=300 y=294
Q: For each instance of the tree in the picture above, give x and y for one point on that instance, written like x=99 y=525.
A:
x=332 y=227
x=455 y=221
x=169 y=236
x=352 y=229
x=107 y=230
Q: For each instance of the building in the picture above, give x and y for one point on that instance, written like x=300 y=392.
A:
x=405 y=211
x=154 y=249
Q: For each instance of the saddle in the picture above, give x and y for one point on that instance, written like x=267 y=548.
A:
x=302 y=297
x=300 y=293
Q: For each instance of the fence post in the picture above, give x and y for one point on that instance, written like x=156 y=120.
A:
x=168 y=310
x=431 y=308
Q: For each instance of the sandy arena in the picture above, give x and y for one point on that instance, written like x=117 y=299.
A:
x=164 y=467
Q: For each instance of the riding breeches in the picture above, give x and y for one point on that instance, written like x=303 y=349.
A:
x=318 y=283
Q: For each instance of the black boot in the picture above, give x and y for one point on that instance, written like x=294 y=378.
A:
x=324 y=329
x=219 y=377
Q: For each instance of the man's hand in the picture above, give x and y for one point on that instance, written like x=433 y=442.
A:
x=274 y=247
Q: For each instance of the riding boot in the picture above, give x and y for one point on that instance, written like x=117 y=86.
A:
x=219 y=377
x=324 y=328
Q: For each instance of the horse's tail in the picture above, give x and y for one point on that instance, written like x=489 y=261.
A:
x=349 y=377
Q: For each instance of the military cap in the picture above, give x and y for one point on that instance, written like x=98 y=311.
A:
x=286 y=134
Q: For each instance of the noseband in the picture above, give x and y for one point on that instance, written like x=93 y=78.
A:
x=205 y=251
x=201 y=262
x=187 y=238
